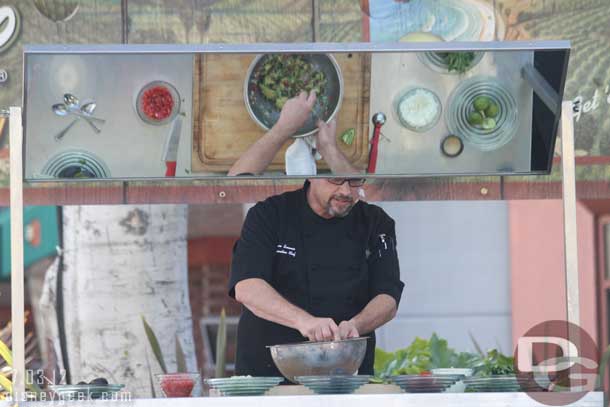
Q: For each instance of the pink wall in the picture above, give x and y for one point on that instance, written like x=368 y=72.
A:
x=537 y=268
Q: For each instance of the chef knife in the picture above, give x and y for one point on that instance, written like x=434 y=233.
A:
x=170 y=150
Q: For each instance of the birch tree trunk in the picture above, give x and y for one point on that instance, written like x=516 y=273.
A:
x=122 y=263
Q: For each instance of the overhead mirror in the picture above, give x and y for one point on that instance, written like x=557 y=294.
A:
x=292 y=110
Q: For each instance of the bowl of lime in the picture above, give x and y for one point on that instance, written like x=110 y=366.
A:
x=483 y=111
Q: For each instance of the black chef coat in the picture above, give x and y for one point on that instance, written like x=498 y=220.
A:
x=328 y=267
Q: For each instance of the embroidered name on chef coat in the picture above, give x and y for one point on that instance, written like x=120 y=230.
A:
x=385 y=245
x=287 y=250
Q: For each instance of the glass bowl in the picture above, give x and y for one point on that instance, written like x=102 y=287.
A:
x=335 y=384
x=410 y=93
x=86 y=391
x=178 y=384
x=244 y=385
x=157 y=96
x=425 y=383
x=435 y=62
x=460 y=106
x=76 y=164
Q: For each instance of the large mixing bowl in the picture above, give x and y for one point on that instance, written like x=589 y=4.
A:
x=319 y=358
x=266 y=114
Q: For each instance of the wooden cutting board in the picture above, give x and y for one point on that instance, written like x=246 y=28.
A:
x=223 y=129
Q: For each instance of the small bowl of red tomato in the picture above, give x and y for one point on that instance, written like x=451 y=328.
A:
x=178 y=384
x=158 y=103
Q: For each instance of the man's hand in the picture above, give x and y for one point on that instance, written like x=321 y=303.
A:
x=326 y=141
x=295 y=112
x=319 y=329
x=347 y=329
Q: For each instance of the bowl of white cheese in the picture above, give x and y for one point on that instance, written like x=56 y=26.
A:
x=418 y=109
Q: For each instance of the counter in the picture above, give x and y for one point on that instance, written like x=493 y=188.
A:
x=594 y=399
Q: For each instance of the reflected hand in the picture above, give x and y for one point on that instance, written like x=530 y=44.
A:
x=295 y=112
x=320 y=329
x=326 y=136
x=347 y=329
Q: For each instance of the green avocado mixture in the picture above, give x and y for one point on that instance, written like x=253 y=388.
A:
x=282 y=77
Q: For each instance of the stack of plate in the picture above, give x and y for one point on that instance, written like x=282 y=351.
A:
x=86 y=391
x=336 y=384
x=425 y=383
x=505 y=383
x=458 y=386
x=244 y=385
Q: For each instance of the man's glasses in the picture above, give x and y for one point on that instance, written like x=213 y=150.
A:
x=353 y=182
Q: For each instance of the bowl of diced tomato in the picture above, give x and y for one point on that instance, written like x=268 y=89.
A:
x=158 y=103
x=178 y=384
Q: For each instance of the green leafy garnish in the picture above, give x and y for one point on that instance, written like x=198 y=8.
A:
x=458 y=62
x=423 y=355
x=494 y=363
x=348 y=136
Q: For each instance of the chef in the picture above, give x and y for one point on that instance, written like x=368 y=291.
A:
x=312 y=264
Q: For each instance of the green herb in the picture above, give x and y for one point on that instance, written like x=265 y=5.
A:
x=424 y=355
x=414 y=359
x=348 y=136
x=494 y=363
x=458 y=62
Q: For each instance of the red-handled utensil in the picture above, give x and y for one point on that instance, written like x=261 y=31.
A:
x=170 y=150
x=378 y=121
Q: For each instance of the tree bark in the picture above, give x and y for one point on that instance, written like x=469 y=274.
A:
x=122 y=263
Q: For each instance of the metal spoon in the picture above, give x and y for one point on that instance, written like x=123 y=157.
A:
x=71 y=101
x=61 y=110
x=87 y=108
x=62 y=133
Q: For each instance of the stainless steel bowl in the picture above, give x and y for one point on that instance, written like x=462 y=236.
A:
x=265 y=114
x=319 y=358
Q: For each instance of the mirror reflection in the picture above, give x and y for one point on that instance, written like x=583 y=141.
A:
x=144 y=115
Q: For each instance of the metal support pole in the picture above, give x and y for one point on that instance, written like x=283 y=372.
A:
x=568 y=170
x=315 y=20
x=543 y=88
x=17 y=278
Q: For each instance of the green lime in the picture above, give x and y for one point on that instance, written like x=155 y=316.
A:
x=475 y=118
x=488 y=123
x=492 y=110
x=348 y=136
x=481 y=103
